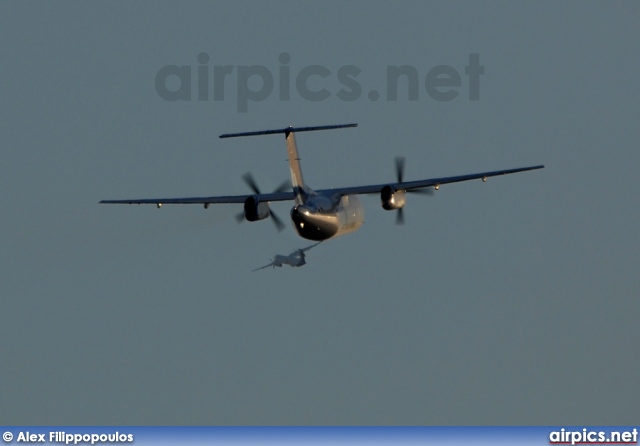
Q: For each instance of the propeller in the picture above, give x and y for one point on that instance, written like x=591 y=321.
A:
x=400 y=216
x=251 y=182
x=399 y=177
x=399 y=168
x=276 y=221
x=240 y=217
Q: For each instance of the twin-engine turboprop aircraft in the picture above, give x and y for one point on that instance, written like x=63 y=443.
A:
x=326 y=213
x=295 y=259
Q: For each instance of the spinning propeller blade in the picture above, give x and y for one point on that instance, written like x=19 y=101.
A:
x=251 y=182
x=399 y=177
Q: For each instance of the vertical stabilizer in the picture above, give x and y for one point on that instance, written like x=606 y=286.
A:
x=294 y=165
x=299 y=189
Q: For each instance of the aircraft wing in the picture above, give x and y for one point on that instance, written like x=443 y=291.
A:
x=277 y=196
x=263 y=267
x=288 y=196
x=412 y=185
x=308 y=247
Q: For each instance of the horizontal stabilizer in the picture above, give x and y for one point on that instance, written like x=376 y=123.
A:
x=288 y=130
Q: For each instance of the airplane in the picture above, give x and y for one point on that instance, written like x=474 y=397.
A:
x=326 y=213
x=295 y=259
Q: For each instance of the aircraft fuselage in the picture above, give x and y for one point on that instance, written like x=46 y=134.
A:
x=321 y=218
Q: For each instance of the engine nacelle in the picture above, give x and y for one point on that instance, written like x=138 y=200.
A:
x=391 y=198
x=255 y=210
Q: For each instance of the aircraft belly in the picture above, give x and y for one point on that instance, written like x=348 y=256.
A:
x=347 y=217
x=314 y=225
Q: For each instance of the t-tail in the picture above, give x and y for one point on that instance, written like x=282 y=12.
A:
x=299 y=189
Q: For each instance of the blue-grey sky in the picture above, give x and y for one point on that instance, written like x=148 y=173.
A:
x=510 y=302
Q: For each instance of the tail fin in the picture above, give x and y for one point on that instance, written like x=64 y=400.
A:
x=294 y=165
x=292 y=150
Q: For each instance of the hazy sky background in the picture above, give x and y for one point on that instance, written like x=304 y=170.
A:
x=510 y=302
